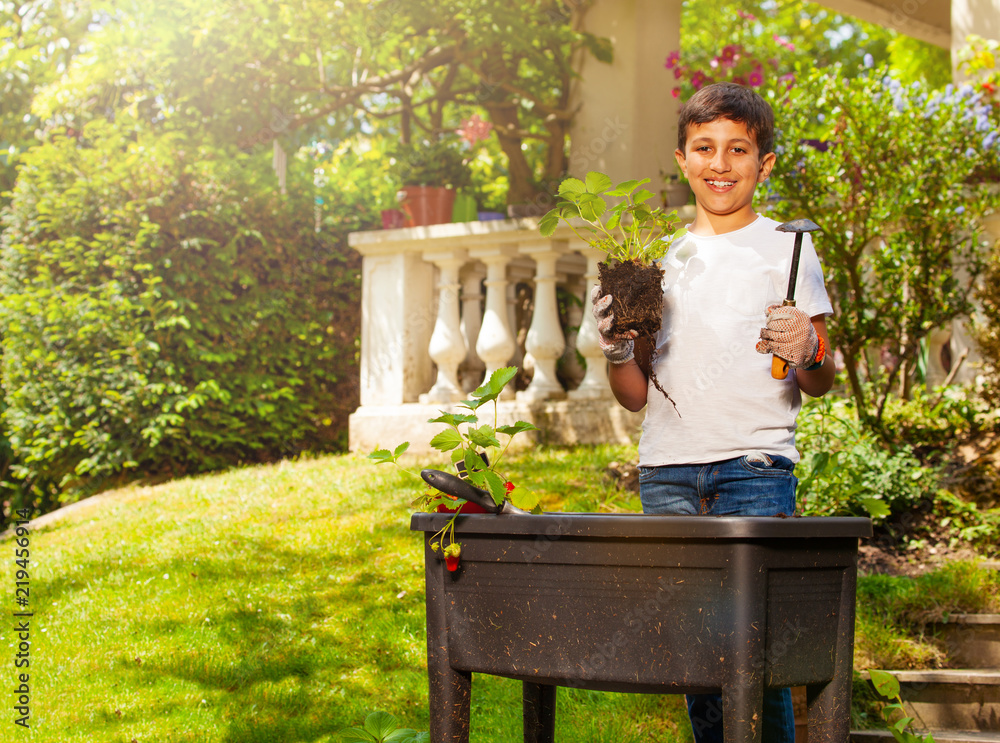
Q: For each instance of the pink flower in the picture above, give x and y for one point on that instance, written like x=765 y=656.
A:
x=672 y=59
x=475 y=130
x=756 y=78
x=746 y=16
x=676 y=92
x=788 y=79
x=699 y=80
x=784 y=42
x=730 y=52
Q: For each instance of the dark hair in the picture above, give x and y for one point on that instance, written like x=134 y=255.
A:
x=729 y=101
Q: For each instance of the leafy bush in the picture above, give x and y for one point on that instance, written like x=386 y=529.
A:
x=902 y=238
x=935 y=422
x=847 y=471
x=164 y=312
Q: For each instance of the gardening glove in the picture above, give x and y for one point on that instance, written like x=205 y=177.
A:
x=617 y=348
x=789 y=335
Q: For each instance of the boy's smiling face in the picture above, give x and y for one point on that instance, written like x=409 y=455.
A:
x=722 y=162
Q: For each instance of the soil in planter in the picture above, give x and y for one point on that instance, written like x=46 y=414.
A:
x=637 y=289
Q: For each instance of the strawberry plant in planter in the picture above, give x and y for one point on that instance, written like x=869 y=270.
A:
x=476 y=453
x=633 y=234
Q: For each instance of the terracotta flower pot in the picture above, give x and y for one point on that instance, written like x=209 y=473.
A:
x=424 y=205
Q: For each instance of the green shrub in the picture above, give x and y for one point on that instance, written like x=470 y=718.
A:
x=165 y=311
x=846 y=471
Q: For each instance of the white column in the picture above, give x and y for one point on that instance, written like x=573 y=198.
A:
x=447 y=346
x=595 y=382
x=545 y=341
x=471 y=371
x=495 y=344
x=620 y=128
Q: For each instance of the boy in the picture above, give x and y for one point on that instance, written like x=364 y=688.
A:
x=728 y=448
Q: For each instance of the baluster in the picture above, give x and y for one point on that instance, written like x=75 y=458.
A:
x=447 y=347
x=495 y=344
x=595 y=381
x=471 y=369
x=545 y=341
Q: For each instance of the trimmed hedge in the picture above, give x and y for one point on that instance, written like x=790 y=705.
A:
x=165 y=311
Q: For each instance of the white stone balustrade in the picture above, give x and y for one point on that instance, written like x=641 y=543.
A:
x=438 y=317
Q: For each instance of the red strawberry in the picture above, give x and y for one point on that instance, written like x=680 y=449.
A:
x=451 y=562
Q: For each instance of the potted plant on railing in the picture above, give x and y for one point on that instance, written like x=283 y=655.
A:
x=633 y=235
x=431 y=172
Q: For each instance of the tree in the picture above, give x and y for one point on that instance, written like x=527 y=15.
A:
x=244 y=73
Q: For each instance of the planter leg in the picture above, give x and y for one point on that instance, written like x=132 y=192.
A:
x=450 y=694
x=539 y=713
x=450 y=691
x=743 y=694
x=829 y=705
x=742 y=717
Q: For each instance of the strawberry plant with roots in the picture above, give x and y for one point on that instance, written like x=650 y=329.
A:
x=476 y=451
x=631 y=231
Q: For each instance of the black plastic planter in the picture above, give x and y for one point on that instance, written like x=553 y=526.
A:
x=651 y=604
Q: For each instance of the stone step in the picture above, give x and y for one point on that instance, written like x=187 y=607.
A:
x=972 y=640
x=940 y=736
x=952 y=699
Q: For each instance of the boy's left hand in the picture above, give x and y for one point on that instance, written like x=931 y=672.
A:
x=789 y=335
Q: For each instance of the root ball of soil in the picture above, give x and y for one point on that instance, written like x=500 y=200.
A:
x=638 y=296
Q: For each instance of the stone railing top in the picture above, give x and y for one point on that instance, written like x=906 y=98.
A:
x=467 y=235
x=454 y=234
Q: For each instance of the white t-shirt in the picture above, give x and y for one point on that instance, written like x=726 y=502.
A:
x=715 y=293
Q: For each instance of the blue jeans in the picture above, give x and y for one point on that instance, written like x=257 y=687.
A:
x=755 y=485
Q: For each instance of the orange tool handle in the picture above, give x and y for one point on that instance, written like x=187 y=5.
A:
x=779 y=367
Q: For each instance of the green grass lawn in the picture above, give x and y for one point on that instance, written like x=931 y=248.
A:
x=284 y=603
x=277 y=603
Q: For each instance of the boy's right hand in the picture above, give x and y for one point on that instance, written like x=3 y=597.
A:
x=618 y=349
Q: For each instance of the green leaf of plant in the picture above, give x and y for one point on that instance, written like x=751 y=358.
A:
x=524 y=498
x=381 y=456
x=483 y=436
x=380 y=724
x=356 y=735
x=885 y=683
x=491 y=389
x=519 y=427
x=548 y=223
x=624 y=188
x=902 y=723
x=447 y=440
x=643 y=196
x=597 y=182
x=496 y=485
x=400 y=449
x=592 y=208
x=571 y=187
x=875 y=507
x=454 y=419
x=403 y=735
x=474 y=464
